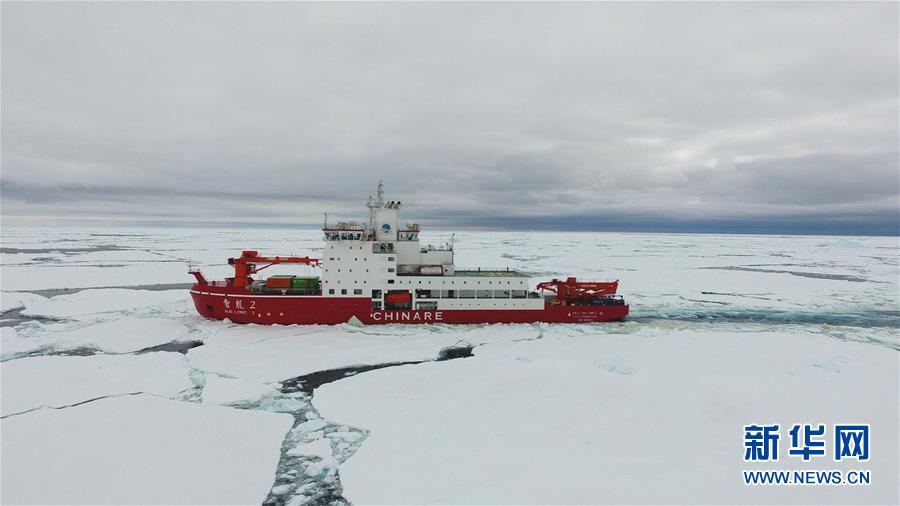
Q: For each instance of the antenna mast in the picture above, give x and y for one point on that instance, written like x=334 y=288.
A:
x=378 y=203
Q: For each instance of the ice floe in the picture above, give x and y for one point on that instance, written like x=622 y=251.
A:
x=91 y=303
x=219 y=390
x=57 y=381
x=596 y=418
x=267 y=354
x=120 y=335
x=141 y=450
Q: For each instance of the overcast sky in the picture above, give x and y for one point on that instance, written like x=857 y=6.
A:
x=604 y=116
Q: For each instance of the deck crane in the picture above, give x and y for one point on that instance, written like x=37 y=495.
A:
x=571 y=291
x=247 y=263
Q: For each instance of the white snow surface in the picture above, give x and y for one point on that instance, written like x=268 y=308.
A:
x=724 y=331
x=57 y=381
x=120 y=335
x=16 y=300
x=267 y=354
x=585 y=418
x=96 y=303
x=141 y=450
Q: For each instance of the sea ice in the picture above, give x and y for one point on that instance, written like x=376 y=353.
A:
x=141 y=450
x=219 y=390
x=119 y=335
x=319 y=448
x=267 y=354
x=94 y=303
x=15 y=300
x=724 y=330
x=570 y=426
x=73 y=275
x=56 y=381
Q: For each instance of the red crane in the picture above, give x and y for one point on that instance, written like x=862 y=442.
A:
x=246 y=264
x=571 y=290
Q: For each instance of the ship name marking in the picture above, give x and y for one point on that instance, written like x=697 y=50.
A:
x=407 y=316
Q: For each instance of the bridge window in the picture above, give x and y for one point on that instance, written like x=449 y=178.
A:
x=383 y=247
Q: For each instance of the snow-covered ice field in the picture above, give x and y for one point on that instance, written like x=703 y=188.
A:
x=115 y=391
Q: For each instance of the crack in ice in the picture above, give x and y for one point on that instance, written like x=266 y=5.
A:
x=79 y=403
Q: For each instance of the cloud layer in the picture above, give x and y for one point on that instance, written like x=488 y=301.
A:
x=560 y=115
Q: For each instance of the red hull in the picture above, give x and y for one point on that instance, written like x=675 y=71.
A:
x=243 y=306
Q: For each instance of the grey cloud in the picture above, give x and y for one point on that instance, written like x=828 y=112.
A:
x=533 y=113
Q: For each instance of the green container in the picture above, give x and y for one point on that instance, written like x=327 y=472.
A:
x=309 y=283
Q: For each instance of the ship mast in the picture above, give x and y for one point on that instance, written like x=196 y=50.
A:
x=378 y=203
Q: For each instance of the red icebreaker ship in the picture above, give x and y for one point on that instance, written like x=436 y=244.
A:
x=377 y=272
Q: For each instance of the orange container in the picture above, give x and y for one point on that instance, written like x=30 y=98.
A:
x=279 y=281
x=398 y=297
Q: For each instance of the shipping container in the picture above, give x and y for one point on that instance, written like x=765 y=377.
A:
x=400 y=297
x=280 y=281
x=305 y=282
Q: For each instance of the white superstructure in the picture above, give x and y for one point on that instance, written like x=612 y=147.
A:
x=384 y=260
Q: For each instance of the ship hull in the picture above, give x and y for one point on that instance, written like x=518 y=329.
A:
x=243 y=306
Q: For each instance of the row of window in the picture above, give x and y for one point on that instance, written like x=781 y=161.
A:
x=471 y=294
x=449 y=294
x=356 y=259
x=351 y=247
x=356 y=291
x=443 y=282
x=343 y=236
